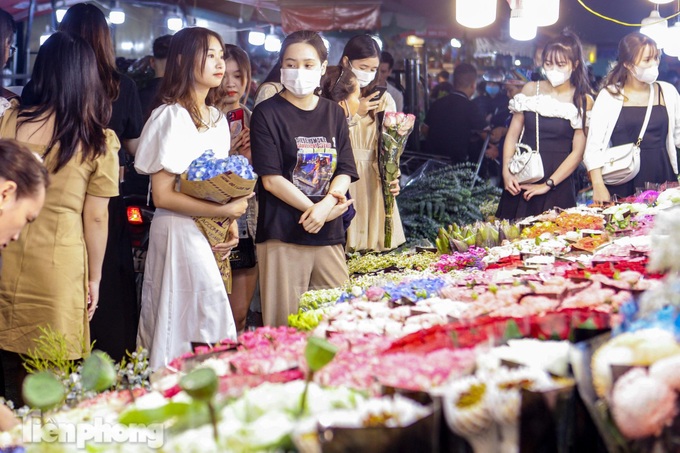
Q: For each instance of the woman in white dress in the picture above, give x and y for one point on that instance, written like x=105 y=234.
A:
x=183 y=298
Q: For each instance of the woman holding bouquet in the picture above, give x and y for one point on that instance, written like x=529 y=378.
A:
x=184 y=299
x=554 y=111
x=234 y=87
x=301 y=150
x=367 y=231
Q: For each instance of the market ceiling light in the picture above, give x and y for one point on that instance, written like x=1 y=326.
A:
x=256 y=38
x=476 y=13
x=117 y=15
x=544 y=12
x=415 y=41
x=175 y=22
x=272 y=43
x=522 y=25
x=655 y=27
x=456 y=44
x=672 y=47
x=60 y=13
x=660 y=2
x=45 y=36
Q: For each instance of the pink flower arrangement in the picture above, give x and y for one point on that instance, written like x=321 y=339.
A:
x=461 y=260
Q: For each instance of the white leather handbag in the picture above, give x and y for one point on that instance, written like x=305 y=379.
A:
x=526 y=164
x=622 y=163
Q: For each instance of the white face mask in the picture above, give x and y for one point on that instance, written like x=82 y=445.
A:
x=363 y=77
x=300 y=82
x=557 y=77
x=646 y=75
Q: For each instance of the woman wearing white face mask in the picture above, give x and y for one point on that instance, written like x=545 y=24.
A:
x=619 y=113
x=367 y=231
x=554 y=111
x=301 y=150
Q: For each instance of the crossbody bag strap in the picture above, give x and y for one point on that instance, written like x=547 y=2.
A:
x=538 y=84
x=648 y=114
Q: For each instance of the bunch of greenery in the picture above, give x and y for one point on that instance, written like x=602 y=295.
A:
x=442 y=197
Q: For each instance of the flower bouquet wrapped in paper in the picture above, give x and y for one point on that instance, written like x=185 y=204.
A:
x=218 y=180
x=396 y=128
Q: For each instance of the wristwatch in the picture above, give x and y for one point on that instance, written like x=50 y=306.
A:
x=550 y=183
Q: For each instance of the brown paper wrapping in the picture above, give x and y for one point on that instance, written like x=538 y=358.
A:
x=220 y=189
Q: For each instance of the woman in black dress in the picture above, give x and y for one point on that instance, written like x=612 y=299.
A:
x=619 y=113
x=114 y=327
x=558 y=105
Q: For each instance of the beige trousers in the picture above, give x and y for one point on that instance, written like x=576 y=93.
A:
x=289 y=270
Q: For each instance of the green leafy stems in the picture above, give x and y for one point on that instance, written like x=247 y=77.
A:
x=318 y=353
x=201 y=384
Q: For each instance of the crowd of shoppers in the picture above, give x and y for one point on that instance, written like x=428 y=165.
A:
x=313 y=138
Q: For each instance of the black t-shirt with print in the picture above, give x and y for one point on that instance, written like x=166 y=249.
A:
x=308 y=148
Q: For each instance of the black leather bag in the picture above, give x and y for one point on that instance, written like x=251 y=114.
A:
x=243 y=255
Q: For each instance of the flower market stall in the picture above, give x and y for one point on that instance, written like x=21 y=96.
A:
x=557 y=333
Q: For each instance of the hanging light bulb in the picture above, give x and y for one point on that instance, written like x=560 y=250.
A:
x=456 y=43
x=175 y=22
x=256 y=38
x=475 y=13
x=272 y=43
x=45 y=36
x=672 y=47
x=522 y=25
x=543 y=12
x=655 y=27
x=60 y=13
x=117 y=15
x=660 y=2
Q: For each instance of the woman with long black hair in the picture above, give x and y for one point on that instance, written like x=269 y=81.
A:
x=51 y=276
x=115 y=326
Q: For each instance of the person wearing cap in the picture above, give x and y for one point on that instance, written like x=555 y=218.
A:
x=492 y=100
x=147 y=94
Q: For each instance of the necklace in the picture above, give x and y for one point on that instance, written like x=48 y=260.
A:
x=210 y=123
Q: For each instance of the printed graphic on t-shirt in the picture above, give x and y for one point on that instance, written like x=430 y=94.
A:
x=316 y=162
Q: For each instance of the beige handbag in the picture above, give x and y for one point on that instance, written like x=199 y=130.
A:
x=622 y=163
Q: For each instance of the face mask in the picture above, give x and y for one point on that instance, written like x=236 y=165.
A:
x=646 y=75
x=300 y=82
x=364 y=77
x=557 y=77
x=492 y=90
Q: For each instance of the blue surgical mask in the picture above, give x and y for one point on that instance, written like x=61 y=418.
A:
x=492 y=90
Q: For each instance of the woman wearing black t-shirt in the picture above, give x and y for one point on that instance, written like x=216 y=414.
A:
x=301 y=150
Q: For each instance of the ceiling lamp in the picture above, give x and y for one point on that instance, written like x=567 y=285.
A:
x=476 y=13
x=256 y=38
x=522 y=25
x=672 y=47
x=660 y=2
x=117 y=15
x=544 y=12
x=60 y=13
x=272 y=43
x=45 y=36
x=655 y=27
x=175 y=22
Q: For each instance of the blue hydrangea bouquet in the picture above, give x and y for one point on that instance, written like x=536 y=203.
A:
x=218 y=180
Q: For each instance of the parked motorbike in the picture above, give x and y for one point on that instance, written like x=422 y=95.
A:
x=139 y=217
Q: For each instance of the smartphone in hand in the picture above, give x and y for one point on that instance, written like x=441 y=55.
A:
x=380 y=90
x=235 y=119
